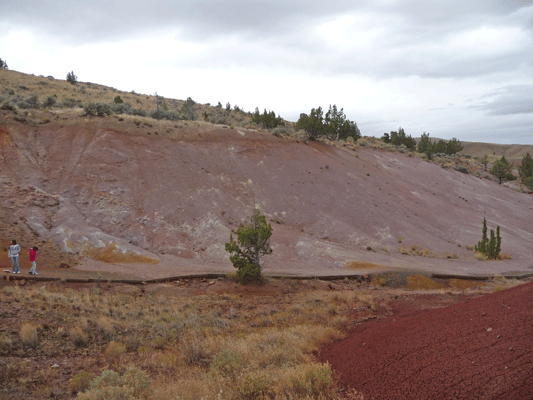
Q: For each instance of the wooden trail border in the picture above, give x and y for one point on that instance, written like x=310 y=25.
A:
x=360 y=277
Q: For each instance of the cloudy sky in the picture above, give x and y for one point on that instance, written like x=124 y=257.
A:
x=453 y=68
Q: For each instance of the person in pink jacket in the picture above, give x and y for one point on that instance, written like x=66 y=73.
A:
x=33 y=254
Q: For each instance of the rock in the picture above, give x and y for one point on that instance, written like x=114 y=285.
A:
x=489 y=329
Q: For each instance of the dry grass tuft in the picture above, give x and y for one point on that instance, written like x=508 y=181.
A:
x=114 y=351
x=463 y=284
x=28 y=334
x=361 y=265
x=504 y=256
x=105 y=325
x=417 y=282
x=79 y=336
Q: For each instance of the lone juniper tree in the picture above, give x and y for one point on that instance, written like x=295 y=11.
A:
x=253 y=242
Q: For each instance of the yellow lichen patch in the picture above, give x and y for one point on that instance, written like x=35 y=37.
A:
x=111 y=254
x=361 y=265
x=422 y=282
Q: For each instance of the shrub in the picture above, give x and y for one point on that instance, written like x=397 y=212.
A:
x=118 y=100
x=162 y=114
x=3 y=64
x=110 y=385
x=253 y=242
x=70 y=103
x=121 y=108
x=72 y=78
x=489 y=247
x=106 y=326
x=30 y=102
x=79 y=337
x=80 y=382
x=28 y=334
x=49 y=102
x=228 y=364
x=114 y=351
x=98 y=109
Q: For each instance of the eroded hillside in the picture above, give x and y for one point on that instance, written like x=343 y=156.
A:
x=161 y=198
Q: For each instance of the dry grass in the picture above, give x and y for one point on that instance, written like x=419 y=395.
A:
x=361 y=265
x=418 y=282
x=197 y=347
x=414 y=250
x=504 y=256
x=28 y=334
x=463 y=284
x=110 y=253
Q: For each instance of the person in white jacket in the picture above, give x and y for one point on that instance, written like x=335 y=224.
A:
x=13 y=253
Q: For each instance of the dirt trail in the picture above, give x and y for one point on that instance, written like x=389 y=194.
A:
x=481 y=348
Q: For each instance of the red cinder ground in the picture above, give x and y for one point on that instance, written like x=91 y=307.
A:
x=480 y=348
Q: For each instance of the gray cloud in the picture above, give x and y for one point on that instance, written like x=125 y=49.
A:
x=509 y=100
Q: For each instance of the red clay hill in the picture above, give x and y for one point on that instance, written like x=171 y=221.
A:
x=158 y=199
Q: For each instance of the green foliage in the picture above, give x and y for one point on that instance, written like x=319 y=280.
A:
x=484 y=161
x=267 y=120
x=228 y=106
x=72 y=78
x=502 y=170
x=526 y=168
x=253 y=242
x=98 y=109
x=3 y=64
x=399 y=138
x=429 y=148
x=118 y=100
x=528 y=182
x=490 y=247
x=334 y=125
x=49 y=102
x=30 y=102
x=133 y=385
x=424 y=145
x=312 y=124
x=187 y=109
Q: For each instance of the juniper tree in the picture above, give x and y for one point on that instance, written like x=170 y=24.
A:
x=489 y=247
x=72 y=78
x=253 y=242
x=502 y=170
x=526 y=168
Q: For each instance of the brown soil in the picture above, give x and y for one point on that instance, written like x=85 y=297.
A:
x=478 y=348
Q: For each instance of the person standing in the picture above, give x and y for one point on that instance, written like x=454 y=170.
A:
x=13 y=253
x=33 y=253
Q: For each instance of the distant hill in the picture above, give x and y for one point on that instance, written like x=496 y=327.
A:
x=512 y=152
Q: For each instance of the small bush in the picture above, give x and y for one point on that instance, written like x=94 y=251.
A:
x=79 y=337
x=28 y=334
x=30 y=102
x=72 y=78
x=106 y=326
x=98 y=109
x=80 y=382
x=134 y=384
x=49 y=102
x=228 y=364
x=70 y=103
x=118 y=100
x=114 y=351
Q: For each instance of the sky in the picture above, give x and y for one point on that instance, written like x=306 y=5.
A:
x=450 y=68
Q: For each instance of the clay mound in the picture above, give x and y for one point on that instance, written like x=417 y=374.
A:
x=481 y=348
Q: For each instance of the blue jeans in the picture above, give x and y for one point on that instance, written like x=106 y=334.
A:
x=15 y=264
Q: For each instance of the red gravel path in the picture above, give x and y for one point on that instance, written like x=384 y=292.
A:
x=478 y=349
